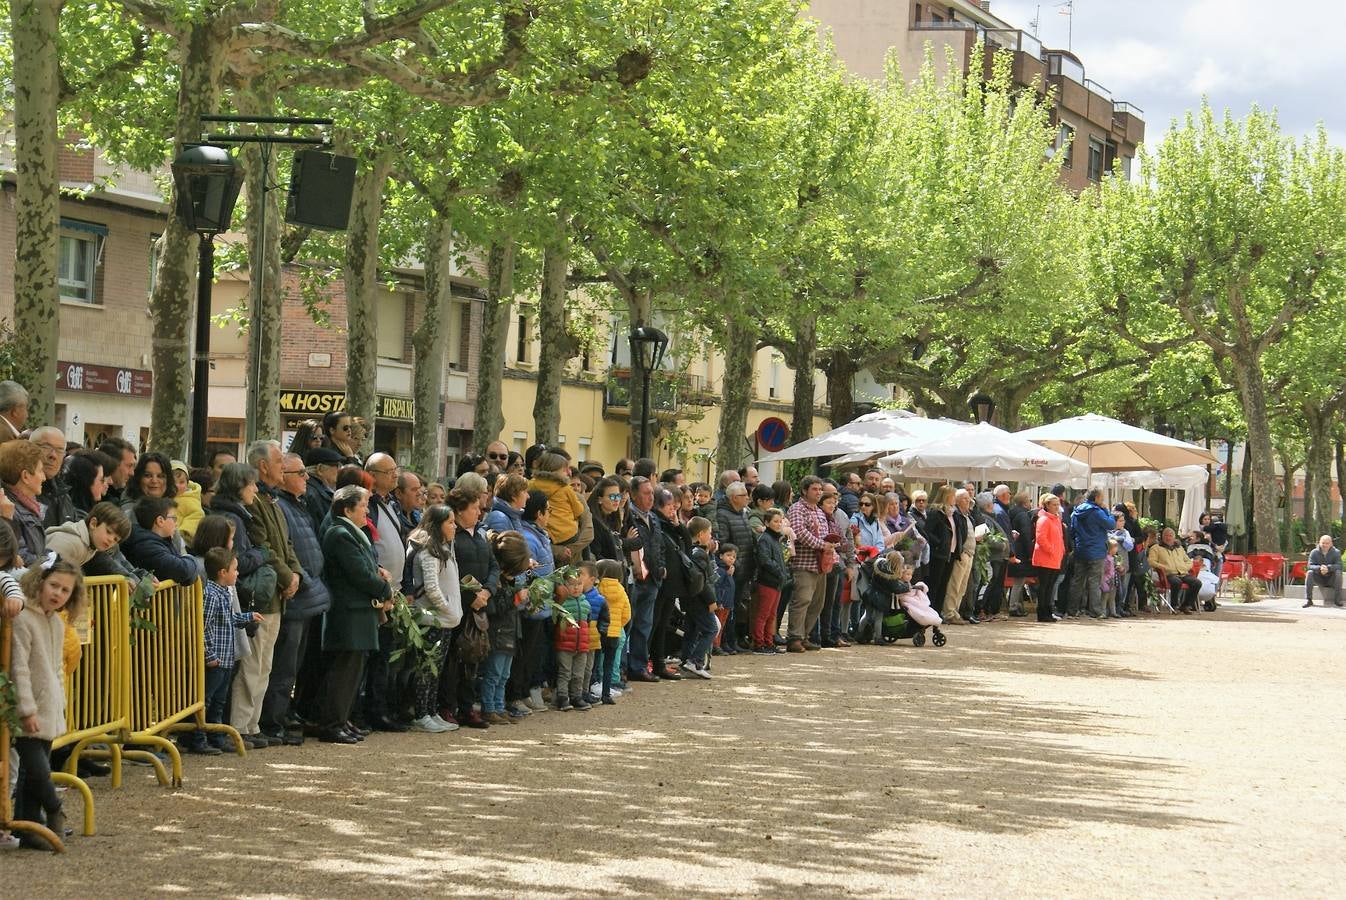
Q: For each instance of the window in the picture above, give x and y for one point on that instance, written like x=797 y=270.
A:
x=936 y=18
x=917 y=20
x=460 y=331
x=582 y=455
x=76 y=270
x=522 y=343
x=1065 y=144
x=1095 y=159
x=520 y=441
x=1126 y=167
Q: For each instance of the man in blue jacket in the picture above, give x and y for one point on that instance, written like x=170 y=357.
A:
x=1090 y=523
x=150 y=545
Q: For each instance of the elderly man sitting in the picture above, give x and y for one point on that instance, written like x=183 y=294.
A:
x=1324 y=571
x=1171 y=561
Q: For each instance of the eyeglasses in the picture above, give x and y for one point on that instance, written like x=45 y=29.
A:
x=919 y=500
x=302 y=473
x=497 y=456
x=54 y=451
x=864 y=505
x=343 y=428
x=614 y=496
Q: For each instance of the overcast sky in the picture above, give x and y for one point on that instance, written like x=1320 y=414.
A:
x=1164 y=55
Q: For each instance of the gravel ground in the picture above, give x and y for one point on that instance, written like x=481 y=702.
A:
x=1164 y=757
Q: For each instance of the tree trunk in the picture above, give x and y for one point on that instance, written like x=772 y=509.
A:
x=1318 y=476
x=266 y=289
x=1247 y=488
x=841 y=372
x=806 y=367
x=429 y=343
x=1287 y=523
x=489 y=418
x=1252 y=391
x=559 y=346
x=362 y=281
x=740 y=352
x=640 y=311
x=202 y=70
x=37 y=306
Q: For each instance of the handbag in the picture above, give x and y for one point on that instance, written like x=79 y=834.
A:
x=474 y=641
x=257 y=585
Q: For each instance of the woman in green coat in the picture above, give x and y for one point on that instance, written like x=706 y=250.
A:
x=361 y=589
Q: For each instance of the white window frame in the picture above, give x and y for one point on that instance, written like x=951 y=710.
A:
x=88 y=245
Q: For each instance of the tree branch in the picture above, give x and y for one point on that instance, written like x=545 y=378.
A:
x=154 y=13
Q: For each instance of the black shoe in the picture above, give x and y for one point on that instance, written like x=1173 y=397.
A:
x=1307 y=604
x=384 y=724
x=338 y=737
x=90 y=769
x=608 y=701
x=358 y=730
x=203 y=749
x=358 y=735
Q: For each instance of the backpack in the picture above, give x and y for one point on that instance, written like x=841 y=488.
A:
x=474 y=640
x=413 y=581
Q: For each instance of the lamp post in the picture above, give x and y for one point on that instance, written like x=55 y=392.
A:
x=207 y=180
x=982 y=406
x=647 y=351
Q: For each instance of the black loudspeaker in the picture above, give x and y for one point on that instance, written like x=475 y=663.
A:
x=321 y=185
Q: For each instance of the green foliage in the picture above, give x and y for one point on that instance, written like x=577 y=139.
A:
x=10 y=357
x=794 y=470
x=411 y=626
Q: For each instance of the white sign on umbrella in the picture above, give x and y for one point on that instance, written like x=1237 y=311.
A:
x=1108 y=445
x=987 y=452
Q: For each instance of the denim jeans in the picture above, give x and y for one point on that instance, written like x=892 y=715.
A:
x=699 y=629
x=642 y=623
x=494 y=677
x=217 y=696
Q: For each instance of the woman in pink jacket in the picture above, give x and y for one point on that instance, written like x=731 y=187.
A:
x=1048 y=551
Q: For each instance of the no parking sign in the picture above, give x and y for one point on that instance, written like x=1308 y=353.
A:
x=772 y=434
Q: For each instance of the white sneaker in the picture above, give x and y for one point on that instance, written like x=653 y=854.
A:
x=534 y=700
x=447 y=726
x=596 y=688
x=521 y=708
x=428 y=725
x=617 y=692
x=700 y=671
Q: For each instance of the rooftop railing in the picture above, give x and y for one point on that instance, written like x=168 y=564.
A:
x=1014 y=39
x=1097 y=88
x=1131 y=109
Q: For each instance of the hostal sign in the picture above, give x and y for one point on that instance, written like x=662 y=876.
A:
x=320 y=403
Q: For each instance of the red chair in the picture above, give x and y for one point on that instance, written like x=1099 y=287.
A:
x=1234 y=567
x=1268 y=568
x=1299 y=571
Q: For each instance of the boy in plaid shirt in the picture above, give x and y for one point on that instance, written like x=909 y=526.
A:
x=220 y=622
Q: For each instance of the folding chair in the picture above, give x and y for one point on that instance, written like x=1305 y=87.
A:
x=1234 y=567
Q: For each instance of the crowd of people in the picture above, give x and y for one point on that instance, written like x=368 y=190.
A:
x=303 y=551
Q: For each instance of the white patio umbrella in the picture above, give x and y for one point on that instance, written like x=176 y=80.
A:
x=986 y=452
x=875 y=433
x=1108 y=445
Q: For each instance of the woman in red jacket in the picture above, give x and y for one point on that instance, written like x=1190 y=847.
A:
x=1048 y=551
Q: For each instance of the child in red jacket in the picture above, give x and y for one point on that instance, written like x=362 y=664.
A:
x=572 y=644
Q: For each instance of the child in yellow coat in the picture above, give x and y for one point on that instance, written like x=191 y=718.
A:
x=613 y=641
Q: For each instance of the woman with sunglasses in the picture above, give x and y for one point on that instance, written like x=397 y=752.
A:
x=338 y=434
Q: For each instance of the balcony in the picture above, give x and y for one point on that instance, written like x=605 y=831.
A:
x=1121 y=107
x=1027 y=67
x=1098 y=89
x=666 y=392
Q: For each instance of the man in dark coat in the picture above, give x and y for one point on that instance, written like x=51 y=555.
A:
x=732 y=527
x=296 y=665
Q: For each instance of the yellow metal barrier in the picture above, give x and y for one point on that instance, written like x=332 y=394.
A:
x=95 y=693
x=167 y=689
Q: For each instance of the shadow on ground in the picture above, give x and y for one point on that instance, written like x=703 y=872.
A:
x=781 y=775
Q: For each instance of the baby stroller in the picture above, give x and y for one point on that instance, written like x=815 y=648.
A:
x=894 y=609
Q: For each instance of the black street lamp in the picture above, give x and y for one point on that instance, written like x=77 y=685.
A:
x=982 y=406
x=207 y=180
x=647 y=352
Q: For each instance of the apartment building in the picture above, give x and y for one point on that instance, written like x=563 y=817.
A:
x=106 y=267
x=1094 y=129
